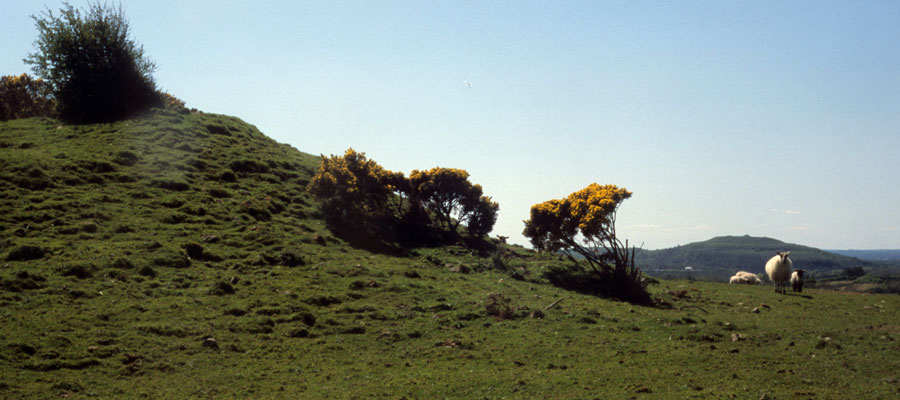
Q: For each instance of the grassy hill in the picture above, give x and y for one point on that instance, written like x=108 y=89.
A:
x=176 y=255
x=720 y=257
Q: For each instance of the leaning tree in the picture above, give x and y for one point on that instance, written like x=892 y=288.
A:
x=584 y=223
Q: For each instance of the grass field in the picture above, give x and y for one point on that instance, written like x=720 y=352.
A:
x=177 y=256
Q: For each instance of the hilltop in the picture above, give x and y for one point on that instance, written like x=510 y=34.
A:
x=177 y=255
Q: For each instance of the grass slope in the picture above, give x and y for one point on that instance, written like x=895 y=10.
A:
x=176 y=256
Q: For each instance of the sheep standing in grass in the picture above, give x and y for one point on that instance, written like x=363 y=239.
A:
x=779 y=270
x=745 y=277
x=797 y=280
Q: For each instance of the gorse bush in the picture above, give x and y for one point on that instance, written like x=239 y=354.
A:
x=351 y=187
x=95 y=71
x=170 y=102
x=452 y=199
x=585 y=223
x=357 y=193
x=24 y=97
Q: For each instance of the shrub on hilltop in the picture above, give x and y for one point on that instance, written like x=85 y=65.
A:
x=96 y=72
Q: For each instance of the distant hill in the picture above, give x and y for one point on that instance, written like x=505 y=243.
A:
x=871 y=255
x=718 y=258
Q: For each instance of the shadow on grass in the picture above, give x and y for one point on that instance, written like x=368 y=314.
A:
x=576 y=278
x=400 y=239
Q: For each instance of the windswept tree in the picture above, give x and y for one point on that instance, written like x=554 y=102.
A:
x=585 y=223
x=96 y=72
x=449 y=195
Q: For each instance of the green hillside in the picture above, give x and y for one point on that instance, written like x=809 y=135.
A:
x=177 y=255
x=720 y=257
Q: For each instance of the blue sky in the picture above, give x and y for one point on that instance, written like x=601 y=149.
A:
x=767 y=118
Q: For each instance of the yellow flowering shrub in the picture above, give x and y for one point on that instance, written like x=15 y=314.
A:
x=170 y=102
x=351 y=186
x=24 y=97
x=584 y=223
x=452 y=199
x=359 y=194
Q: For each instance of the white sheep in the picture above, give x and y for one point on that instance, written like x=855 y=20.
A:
x=779 y=270
x=745 y=277
x=797 y=280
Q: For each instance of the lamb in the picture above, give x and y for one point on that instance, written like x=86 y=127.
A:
x=779 y=270
x=745 y=277
x=797 y=280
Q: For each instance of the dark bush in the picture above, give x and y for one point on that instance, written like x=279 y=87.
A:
x=96 y=72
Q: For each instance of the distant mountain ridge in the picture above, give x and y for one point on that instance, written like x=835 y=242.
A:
x=871 y=255
x=721 y=256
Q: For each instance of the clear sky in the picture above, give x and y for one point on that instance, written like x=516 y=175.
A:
x=767 y=118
